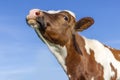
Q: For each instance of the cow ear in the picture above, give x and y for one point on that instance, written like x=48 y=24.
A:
x=84 y=23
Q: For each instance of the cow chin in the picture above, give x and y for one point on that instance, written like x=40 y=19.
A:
x=32 y=23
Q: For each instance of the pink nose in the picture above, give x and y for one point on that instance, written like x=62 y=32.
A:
x=34 y=13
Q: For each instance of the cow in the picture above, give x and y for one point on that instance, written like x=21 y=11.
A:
x=80 y=58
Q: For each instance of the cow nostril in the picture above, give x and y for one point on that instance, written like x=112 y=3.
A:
x=37 y=13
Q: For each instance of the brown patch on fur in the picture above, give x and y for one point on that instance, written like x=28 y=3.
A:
x=115 y=52
x=82 y=67
x=95 y=68
x=75 y=44
x=115 y=71
x=73 y=61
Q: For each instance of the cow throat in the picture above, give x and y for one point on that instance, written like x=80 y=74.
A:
x=60 y=52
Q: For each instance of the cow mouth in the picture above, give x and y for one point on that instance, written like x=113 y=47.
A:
x=37 y=23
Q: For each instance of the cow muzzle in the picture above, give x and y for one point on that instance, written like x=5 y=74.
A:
x=35 y=18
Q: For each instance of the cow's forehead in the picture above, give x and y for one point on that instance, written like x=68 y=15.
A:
x=53 y=12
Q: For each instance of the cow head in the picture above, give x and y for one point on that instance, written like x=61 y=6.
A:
x=57 y=26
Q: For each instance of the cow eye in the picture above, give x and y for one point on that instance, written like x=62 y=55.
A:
x=66 y=18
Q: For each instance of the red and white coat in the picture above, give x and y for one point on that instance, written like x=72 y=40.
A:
x=81 y=58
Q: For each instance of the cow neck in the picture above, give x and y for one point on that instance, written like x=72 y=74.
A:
x=75 y=58
x=75 y=45
x=60 y=52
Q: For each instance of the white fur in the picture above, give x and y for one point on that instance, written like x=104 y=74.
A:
x=71 y=13
x=103 y=56
x=69 y=76
x=92 y=78
x=53 y=12
x=58 y=51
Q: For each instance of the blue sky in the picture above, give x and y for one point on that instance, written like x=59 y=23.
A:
x=24 y=57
